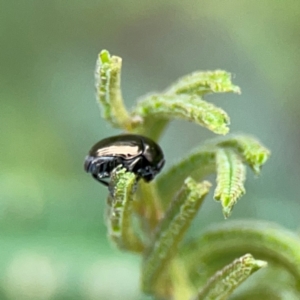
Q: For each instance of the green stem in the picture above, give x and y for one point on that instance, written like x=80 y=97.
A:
x=150 y=205
x=182 y=287
x=153 y=127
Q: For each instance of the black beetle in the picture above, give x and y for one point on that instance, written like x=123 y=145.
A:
x=136 y=153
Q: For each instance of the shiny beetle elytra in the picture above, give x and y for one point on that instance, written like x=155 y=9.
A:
x=136 y=153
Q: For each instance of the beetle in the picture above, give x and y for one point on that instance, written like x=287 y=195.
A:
x=135 y=153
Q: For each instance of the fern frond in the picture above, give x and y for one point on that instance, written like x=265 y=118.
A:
x=170 y=231
x=231 y=174
x=222 y=284
x=201 y=83
x=122 y=187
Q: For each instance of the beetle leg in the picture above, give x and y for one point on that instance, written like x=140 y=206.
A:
x=132 y=164
x=100 y=180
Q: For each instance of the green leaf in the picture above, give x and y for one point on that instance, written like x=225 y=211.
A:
x=221 y=285
x=268 y=241
x=201 y=83
x=185 y=107
x=202 y=162
x=231 y=174
x=251 y=150
x=122 y=187
x=171 y=229
x=108 y=80
x=153 y=122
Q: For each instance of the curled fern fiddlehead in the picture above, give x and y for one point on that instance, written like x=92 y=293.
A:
x=152 y=219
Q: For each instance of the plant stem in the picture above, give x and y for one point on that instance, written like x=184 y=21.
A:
x=152 y=204
x=182 y=288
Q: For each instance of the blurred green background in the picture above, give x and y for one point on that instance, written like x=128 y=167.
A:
x=53 y=236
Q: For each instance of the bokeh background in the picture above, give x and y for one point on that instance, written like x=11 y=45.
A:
x=53 y=242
